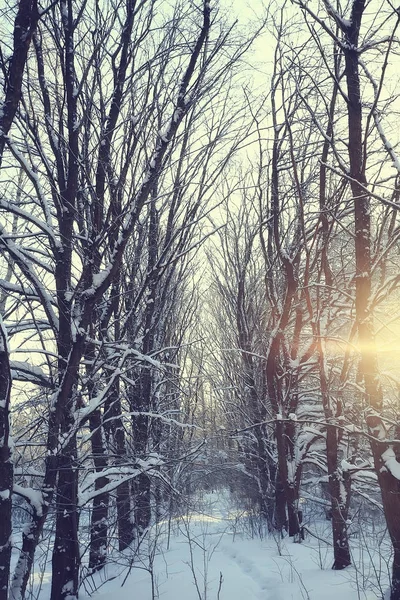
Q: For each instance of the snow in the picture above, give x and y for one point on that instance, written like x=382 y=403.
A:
x=177 y=115
x=64 y=10
x=164 y=134
x=98 y=280
x=211 y=555
x=4 y=346
x=34 y=497
x=346 y=466
x=391 y=463
x=387 y=144
x=68 y=590
x=47 y=226
x=24 y=371
x=28 y=270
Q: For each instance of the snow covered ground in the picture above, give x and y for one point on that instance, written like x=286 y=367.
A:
x=210 y=556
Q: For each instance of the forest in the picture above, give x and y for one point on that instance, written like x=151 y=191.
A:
x=199 y=286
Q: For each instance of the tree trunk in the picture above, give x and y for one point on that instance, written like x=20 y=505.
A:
x=395 y=585
x=336 y=484
x=293 y=470
x=362 y=227
x=126 y=528
x=59 y=415
x=390 y=489
x=32 y=532
x=142 y=500
x=266 y=473
x=339 y=503
x=141 y=398
x=6 y=466
x=290 y=489
x=24 y=27
x=338 y=491
x=112 y=414
x=293 y=516
x=66 y=559
x=280 y=518
x=140 y=403
x=99 y=516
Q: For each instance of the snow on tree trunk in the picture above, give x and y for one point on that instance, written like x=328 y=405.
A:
x=389 y=483
x=99 y=515
x=339 y=492
x=116 y=436
x=65 y=558
x=24 y=28
x=6 y=465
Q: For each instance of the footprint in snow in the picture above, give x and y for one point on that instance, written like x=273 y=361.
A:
x=267 y=585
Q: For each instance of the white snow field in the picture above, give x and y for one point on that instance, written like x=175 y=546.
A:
x=210 y=555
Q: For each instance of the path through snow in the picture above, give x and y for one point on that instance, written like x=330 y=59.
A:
x=210 y=557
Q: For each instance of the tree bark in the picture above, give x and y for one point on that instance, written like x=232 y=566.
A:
x=339 y=489
x=280 y=516
x=24 y=27
x=116 y=434
x=390 y=486
x=6 y=466
x=65 y=559
x=99 y=516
